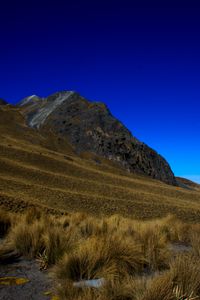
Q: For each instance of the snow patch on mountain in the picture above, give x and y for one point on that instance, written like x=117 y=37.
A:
x=27 y=100
x=42 y=114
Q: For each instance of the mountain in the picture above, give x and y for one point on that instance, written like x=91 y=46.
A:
x=40 y=169
x=90 y=127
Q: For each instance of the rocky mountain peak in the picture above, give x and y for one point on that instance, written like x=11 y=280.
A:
x=30 y=100
x=39 y=109
x=90 y=127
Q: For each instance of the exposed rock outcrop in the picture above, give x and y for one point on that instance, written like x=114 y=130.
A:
x=90 y=126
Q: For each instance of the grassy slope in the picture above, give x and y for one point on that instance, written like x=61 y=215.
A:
x=45 y=172
x=188 y=183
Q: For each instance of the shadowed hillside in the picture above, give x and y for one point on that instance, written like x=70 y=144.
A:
x=37 y=169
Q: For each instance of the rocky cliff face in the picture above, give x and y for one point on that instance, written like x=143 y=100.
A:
x=90 y=126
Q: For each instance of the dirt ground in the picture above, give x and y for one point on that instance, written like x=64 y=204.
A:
x=38 y=283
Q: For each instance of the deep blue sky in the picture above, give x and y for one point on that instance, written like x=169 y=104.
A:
x=139 y=57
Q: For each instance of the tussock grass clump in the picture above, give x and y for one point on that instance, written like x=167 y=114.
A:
x=175 y=229
x=92 y=227
x=159 y=288
x=181 y=282
x=195 y=239
x=185 y=273
x=78 y=217
x=98 y=257
x=32 y=215
x=27 y=238
x=55 y=243
x=129 y=288
x=41 y=238
x=5 y=223
x=154 y=245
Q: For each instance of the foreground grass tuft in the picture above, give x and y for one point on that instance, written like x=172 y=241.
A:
x=97 y=257
x=135 y=259
x=41 y=238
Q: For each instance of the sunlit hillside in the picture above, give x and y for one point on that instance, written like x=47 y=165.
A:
x=39 y=169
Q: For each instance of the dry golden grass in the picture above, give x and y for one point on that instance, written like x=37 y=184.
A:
x=155 y=248
x=181 y=282
x=5 y=223
x=97 y=257
x=159 y=288
x=40 y=237
x=133 y=257
x=185 y=274
x=195 y=239
x=69 y=292
x=92 y=239
x=39 y=170
x=175 y=283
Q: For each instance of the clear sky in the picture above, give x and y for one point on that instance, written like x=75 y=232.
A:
x=142 y=58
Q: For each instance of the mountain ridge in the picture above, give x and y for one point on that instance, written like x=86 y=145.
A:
x=91 y=127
